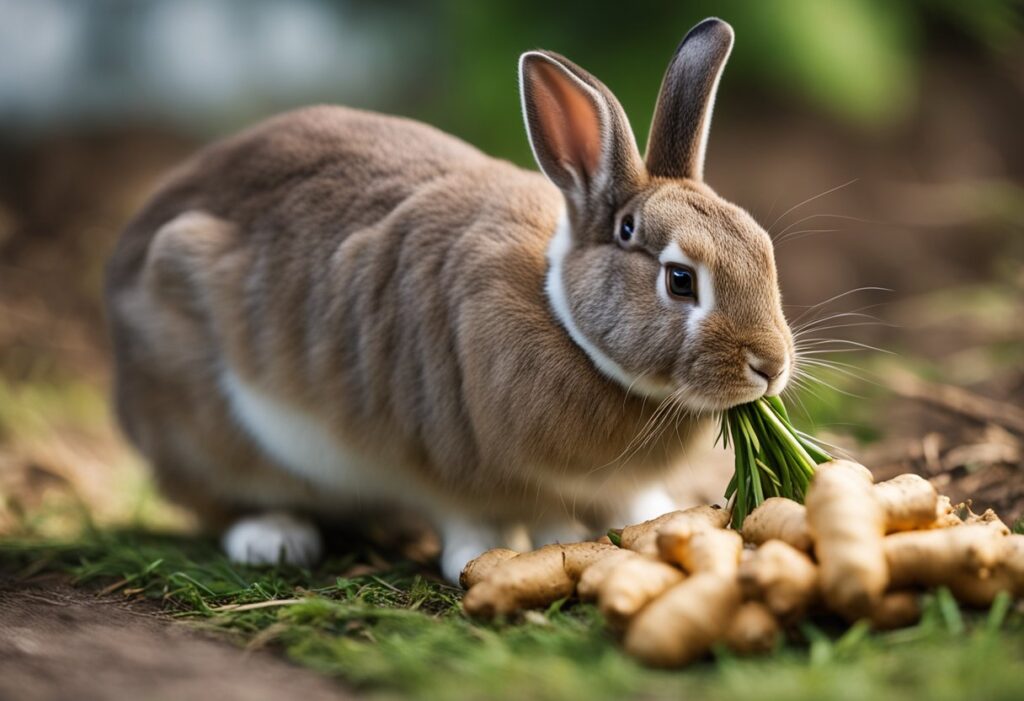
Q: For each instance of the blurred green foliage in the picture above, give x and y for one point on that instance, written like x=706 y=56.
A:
x=858 y=61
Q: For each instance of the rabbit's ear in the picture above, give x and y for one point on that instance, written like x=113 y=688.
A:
x=679 y=131
x=578 y=131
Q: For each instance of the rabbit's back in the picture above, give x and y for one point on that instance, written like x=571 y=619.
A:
x=349 y=269
x=354 y=166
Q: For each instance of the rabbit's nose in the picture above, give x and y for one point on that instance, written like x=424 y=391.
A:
x=768 y=368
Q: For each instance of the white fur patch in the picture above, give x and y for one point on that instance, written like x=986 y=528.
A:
x=464 y=540
x=297 y=440
x=650 y=503
x=672 y=253
x=272 y=538
x=558 y=249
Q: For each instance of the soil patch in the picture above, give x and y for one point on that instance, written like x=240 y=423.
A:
x=58 y=643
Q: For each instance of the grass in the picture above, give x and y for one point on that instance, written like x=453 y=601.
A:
x=773 y=458
x=399 y=633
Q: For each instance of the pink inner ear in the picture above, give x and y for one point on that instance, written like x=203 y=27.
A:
x=570 y=121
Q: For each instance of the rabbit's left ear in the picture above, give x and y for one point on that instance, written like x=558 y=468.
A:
x=679 y=131
x=578 y=131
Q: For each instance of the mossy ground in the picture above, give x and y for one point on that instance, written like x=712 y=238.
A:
x=397 y=632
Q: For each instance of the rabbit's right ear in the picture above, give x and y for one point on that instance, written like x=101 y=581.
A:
x=579 y=133
x=679 y=131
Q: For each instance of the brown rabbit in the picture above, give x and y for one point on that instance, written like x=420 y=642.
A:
x=338 y=307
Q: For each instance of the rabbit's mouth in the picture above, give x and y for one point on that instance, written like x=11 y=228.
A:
x=732 y=374
x=757 y=385
x=698 y=401
x=769 y=376
x=723 y=398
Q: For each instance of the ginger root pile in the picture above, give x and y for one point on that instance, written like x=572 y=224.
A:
x=679 y=584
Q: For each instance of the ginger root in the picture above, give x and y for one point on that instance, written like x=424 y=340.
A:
x=594 y=575
x=753 y=630
x=938 y=557
x=854 y=467
x=533 y=579
x=1006 y=575
x=579 y=556
x=896 y=609
x=631 y=585
x=989 y=518
x=778 y=518
x=910 y=502
x=979 y=592
x=706 y=550
x=781 y=577
x=683 y=582
x=1012 y=560
x=847 y=524
x=947 y=517
x=642 y=537
x=482 y=567
x=683 y=623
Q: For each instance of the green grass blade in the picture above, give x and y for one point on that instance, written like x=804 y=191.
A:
x=772 y=457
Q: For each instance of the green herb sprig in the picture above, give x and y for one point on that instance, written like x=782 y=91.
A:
x=773 y=459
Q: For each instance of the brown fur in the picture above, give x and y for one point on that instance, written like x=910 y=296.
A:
x=676 y=149
x=388 y=280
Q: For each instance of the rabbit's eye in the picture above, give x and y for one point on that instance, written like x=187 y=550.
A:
x=681 y=281
x=627 y=227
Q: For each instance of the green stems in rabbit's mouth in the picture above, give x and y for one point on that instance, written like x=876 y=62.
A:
x=773 y=459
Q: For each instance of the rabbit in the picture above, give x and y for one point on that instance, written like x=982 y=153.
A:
x=338 y=308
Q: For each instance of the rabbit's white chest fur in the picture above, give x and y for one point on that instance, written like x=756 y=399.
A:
x=300 y=442
x=554 y=287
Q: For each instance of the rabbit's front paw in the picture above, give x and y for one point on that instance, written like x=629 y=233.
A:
x=273 y=538
x=649 y=503
x=465 y=540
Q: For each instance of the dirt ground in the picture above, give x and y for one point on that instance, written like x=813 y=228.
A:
x=58 y=642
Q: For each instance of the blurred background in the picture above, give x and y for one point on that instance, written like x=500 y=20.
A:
x=879 y=142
